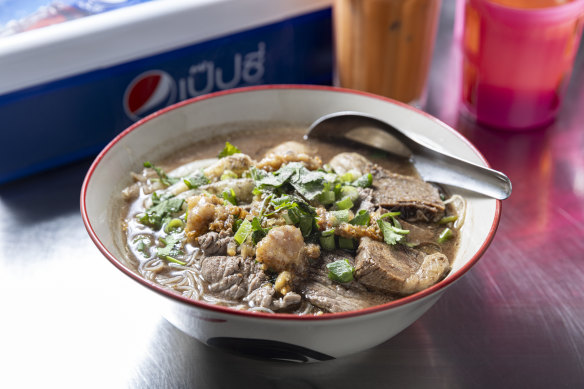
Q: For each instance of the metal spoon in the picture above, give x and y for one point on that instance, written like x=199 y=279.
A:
x=432 y=165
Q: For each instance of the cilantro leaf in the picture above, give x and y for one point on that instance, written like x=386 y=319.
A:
x=142 y=243
x=159 y=213
x=166 y=180
x=391 y=234
x=229 y=149
x=265 y=180
x=258 y=233
x=362 y=219
x=171 y=249
x=196 y=180
x=308 y=184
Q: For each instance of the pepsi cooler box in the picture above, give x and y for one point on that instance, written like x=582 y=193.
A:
x=68 y=88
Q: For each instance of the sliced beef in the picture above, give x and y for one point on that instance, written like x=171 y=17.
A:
x=419 y=233
x=243 y=281
x=332 y=296
x=415 y=198
x=397 y=268
x=214 y=243
x=232 y=278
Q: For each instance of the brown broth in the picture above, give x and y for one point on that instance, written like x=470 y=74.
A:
x=253 y=142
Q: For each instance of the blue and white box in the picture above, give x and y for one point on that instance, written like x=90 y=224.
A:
x=69 y=88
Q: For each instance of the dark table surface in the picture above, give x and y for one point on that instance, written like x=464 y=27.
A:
x=69 y=319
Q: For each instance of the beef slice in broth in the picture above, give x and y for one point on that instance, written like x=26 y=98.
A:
x=242 y=273
x=415 y=198
x=397 y=268
x=239 y=279
x=332 y=296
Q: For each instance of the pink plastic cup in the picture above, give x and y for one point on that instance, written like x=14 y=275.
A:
x=517 y=62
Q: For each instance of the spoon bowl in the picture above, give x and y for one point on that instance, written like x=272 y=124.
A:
x=432 y=165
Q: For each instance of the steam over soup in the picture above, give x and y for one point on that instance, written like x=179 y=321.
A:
x=296 y=227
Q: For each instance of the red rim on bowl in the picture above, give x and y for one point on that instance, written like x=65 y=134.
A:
x=278 y=316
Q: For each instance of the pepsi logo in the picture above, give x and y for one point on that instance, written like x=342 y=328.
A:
x=149 y=92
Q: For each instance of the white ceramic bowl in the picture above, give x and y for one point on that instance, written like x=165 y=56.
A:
x=280 y=336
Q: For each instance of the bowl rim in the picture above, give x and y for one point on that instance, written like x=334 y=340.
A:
x=280 y=316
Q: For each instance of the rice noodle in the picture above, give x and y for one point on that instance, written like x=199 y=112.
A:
x=191 y=167
x=261 y=309
x=459 y=204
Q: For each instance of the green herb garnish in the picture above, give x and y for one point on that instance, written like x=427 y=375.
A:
x=339 y=217
x=229 y=149
x=309 y=184
x=229 y=195
x=345 y=203
x=392 y=233
x=448 y=219
x=161 y=211
x=257 y=232
x=327 y=239
x=362 y=219
x=445 y=235
x=228 y=175
x=166 y=180
x=243 y=231
x=346 y=243
x=366 y=180
x=340 y=271
x=326 y=197
x=196 y=180
x=171 y=248
x=174 y=224
x=142 y=242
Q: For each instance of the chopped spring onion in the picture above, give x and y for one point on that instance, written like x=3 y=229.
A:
x=350 y=192
x=243 y=232
x=346 y=243
x=228 y=175
x=364 y=181
x=345 y=203
x=229 y=195
x=390 y=214
x=340 y=271
x=448 y=219
x=174 y=224
x=445 y=235
x=258 y=233
x=349 y=176
x=327 y=239
x=327 y=197
x=339 y=217
x=171 y=259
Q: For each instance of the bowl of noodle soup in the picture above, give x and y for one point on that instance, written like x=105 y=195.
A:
x=287 y=329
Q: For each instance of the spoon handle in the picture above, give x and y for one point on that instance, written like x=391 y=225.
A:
x=445 y=169
x=433 y=165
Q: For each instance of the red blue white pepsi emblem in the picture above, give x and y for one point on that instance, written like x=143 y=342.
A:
x=149 y=92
